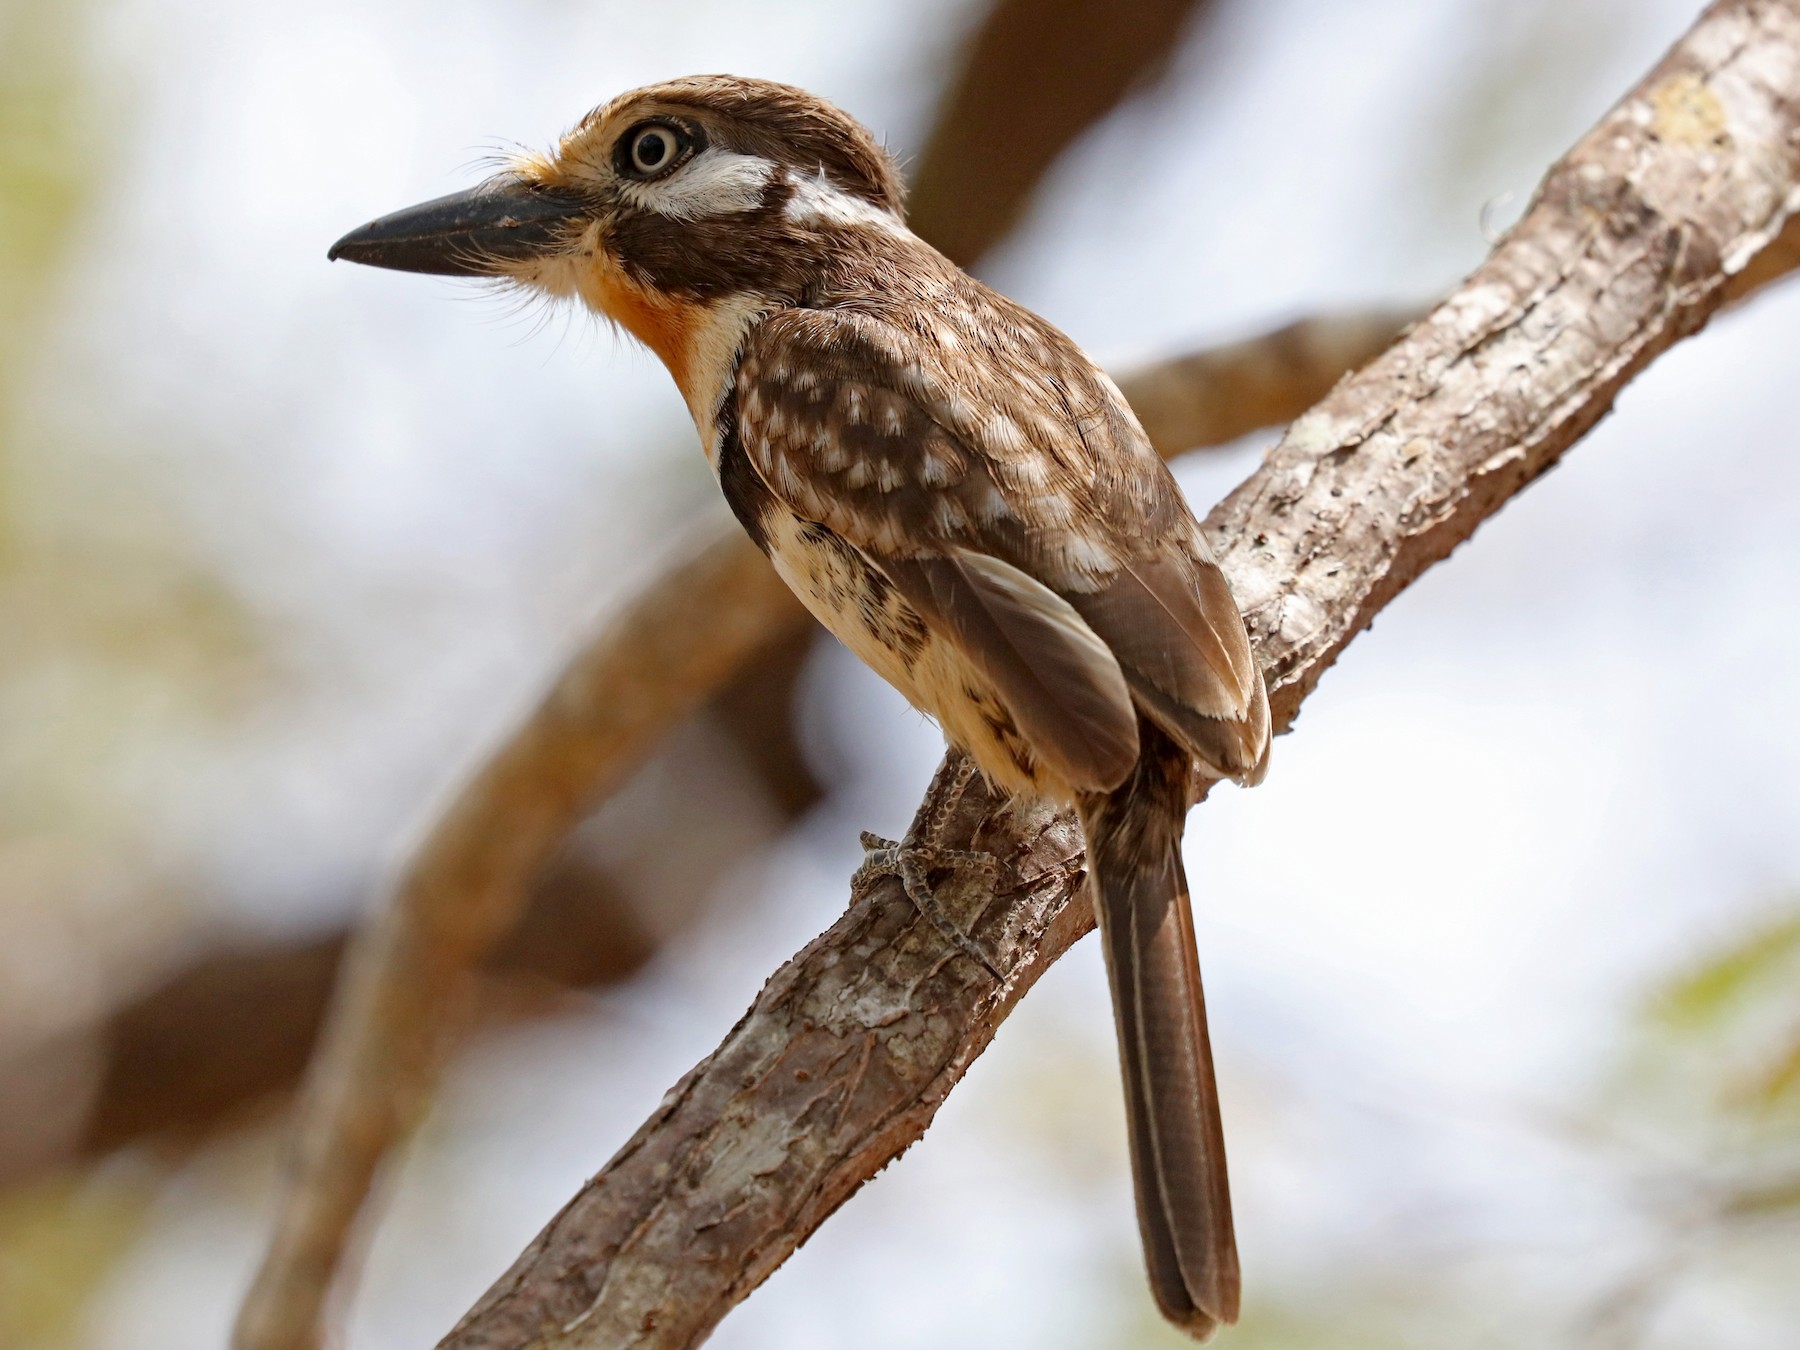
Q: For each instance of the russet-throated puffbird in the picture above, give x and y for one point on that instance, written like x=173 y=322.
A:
x=958 y=493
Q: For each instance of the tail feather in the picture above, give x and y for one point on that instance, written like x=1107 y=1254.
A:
x=1171 y=1100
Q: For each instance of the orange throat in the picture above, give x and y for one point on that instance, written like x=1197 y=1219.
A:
x=698 y=342
x=662 y=323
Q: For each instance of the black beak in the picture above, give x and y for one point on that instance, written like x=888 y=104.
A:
x=467 y=234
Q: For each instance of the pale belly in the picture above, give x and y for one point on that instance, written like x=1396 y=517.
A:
x=862 y=609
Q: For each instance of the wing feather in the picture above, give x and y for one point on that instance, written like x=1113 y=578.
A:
x=1059 y=680
x=1155 y=615
x=985 y=466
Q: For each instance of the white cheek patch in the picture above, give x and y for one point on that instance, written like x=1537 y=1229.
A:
x=713 y=183
x=819 y=201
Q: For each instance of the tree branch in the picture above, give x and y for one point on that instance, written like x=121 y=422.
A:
x=1632 y=242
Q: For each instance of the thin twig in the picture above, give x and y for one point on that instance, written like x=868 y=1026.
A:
x=1630 y=245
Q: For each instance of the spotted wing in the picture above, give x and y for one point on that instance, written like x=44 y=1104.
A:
x=1002 y=484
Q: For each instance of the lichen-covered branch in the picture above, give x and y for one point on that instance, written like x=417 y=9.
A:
x=1632 y=242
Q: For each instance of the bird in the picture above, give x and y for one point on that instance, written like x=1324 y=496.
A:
x=959 y=494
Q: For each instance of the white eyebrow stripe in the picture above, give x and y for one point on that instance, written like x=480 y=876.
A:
x=714 y=183
x=818 y=200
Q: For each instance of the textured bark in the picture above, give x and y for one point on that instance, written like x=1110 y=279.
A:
x=1632 y=242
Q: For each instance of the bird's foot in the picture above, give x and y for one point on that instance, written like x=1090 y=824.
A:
x=911 y=859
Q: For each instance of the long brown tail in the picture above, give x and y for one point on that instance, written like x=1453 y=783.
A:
x=1171 y=1101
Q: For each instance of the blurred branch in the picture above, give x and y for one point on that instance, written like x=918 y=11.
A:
x=1033 y=77
x=228 y=1032
x=465 y=886
x=1630 y=246
x=1215 y=395
x=1779 y=1198
x=220 y=1040
x=756 y=711
x=660 y=659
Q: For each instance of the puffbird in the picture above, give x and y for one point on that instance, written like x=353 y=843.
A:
x=956 y=491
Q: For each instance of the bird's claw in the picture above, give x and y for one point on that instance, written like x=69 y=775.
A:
x=911 y=861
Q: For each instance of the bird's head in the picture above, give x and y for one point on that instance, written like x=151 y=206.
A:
x=675 y=210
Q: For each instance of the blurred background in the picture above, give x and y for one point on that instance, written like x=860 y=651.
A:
x=1503 y=961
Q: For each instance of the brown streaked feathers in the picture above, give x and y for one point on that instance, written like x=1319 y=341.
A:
x=928 y=426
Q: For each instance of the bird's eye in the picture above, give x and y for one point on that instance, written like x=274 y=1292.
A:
x=653 y=149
